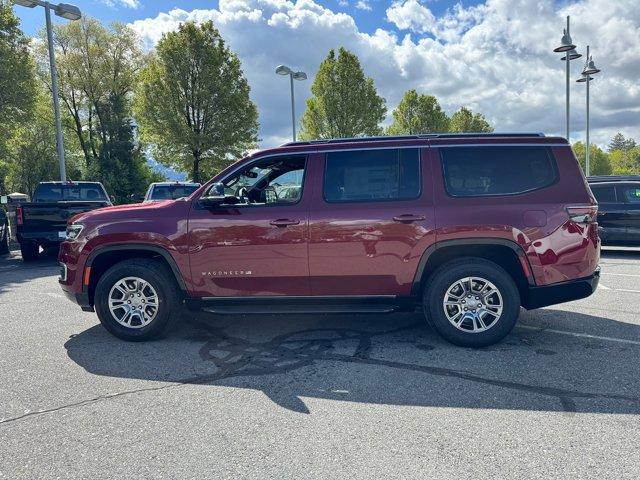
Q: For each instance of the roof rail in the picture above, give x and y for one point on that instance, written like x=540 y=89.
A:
x=384 y=138
x=613 y=178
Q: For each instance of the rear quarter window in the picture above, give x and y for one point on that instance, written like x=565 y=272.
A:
x=485 y=171
x=604 y=193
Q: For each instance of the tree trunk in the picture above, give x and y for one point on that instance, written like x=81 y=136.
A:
x=195 y=174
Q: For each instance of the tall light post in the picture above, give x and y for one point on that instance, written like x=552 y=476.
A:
x=588 y=70
x=70 y=12
x=566 y=45
x=284 y=70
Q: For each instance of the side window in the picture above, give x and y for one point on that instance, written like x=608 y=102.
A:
x=277 y=180
x=372 y=175
x=480 y=171
x=604 y=194
x=632 y=194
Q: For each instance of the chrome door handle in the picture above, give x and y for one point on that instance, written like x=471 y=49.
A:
x=408 y=218
x=283 y=222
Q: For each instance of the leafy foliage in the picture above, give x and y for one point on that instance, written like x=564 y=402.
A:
x=620 y=142
x=417 y=113
x=598 y=160
x=465 y=121
x=193 y=102
x=17 y=81
x=344 y=102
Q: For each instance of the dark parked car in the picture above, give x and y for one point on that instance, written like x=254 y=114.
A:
x=43 y=222
x=618 y=208
x=466 y=228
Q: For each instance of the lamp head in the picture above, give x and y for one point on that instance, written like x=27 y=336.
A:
x=299 y=76
x=283 y=70
x=573 y=54
x=565 y=43
x=590 y=68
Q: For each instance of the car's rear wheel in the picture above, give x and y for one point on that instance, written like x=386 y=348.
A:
x=4 y=241
x=137 y=299
x=29 y=251
x=472 y=302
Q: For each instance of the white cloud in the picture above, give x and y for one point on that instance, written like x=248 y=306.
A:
x=495 y=57
x=363 y=5
x=125 y=3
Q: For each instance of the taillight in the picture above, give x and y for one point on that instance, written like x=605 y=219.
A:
x=19 y=217
x=583 y=213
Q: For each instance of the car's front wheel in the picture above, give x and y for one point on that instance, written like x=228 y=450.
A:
x=137 y=299
x=472 y=302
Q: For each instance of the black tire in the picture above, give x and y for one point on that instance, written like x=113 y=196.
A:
x=446 y=276
x=162 y=281
x=4 y=242
x=29 y=251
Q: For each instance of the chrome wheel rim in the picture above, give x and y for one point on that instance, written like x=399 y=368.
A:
x=473 y=304
x=133 y=302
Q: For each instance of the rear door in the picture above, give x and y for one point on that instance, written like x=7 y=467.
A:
x=370 y=220
x=612 y=213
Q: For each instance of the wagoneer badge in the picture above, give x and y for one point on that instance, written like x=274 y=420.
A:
x=226 y=273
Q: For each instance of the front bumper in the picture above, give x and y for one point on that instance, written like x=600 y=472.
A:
x=537 y=297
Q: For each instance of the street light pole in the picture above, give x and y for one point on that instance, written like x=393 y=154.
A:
x=70 y=12
x=293 y=108
x=54 y=92
x=589 y=69
x=284 y=70
x=566 y=45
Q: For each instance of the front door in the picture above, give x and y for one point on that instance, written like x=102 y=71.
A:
x=371 y=218
x=255 y=244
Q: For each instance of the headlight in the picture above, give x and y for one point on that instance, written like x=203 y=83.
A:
x=73 y=231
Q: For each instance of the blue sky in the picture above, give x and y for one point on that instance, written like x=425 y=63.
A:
x=129 y=10
x=493 y=56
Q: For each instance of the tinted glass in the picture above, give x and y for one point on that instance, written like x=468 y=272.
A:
x=632 y=194
x=76 y=192
x=372 y=175
x=172 y=192
x=478 y=171
x=604 y=194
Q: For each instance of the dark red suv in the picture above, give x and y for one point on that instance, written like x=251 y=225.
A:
x=467 y=228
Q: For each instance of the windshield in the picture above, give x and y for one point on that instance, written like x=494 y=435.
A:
x=52 y=192
x=171 y=192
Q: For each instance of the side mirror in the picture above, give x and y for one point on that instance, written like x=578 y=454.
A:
x=136 y=198
x=113 y=199
x=217 y=197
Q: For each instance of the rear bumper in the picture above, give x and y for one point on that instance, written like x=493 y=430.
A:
x=546 y=295
x=49 y=238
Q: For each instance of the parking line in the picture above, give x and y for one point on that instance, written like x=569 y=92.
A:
x=580 y=335
x=621 y=274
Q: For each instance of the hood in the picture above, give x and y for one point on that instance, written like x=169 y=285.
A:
x=140 y=210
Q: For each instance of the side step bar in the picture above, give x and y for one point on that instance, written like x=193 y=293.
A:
x=302 y=305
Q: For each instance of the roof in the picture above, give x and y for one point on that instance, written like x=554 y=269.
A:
x=383 y=138
x=178 y=184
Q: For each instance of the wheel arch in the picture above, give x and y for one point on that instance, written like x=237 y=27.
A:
x=508 y=254
x=101 y=259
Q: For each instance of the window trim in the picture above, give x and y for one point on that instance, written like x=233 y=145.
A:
x=602 y=186
x=249 y=165
x=377 y=200
x=623 y=192
x=550 y=155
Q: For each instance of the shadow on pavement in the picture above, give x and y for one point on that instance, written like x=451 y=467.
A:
x=392 y=359
x=14 y=271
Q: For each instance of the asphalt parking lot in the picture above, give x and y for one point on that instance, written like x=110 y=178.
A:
x=318 y=396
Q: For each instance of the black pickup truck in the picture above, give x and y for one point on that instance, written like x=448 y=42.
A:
x=618 y=208
x=43 y=222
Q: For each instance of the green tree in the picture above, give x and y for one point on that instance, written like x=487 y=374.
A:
x=98 y=69
x=17 y=80
x=598 y=160
x=33 y=156
x=193 y=102
x=344 y=102
x=418 y=113
x=465 y=121
x=620 y=142
x=625 y=162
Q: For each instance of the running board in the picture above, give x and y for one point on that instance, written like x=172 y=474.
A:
x=302 y=305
